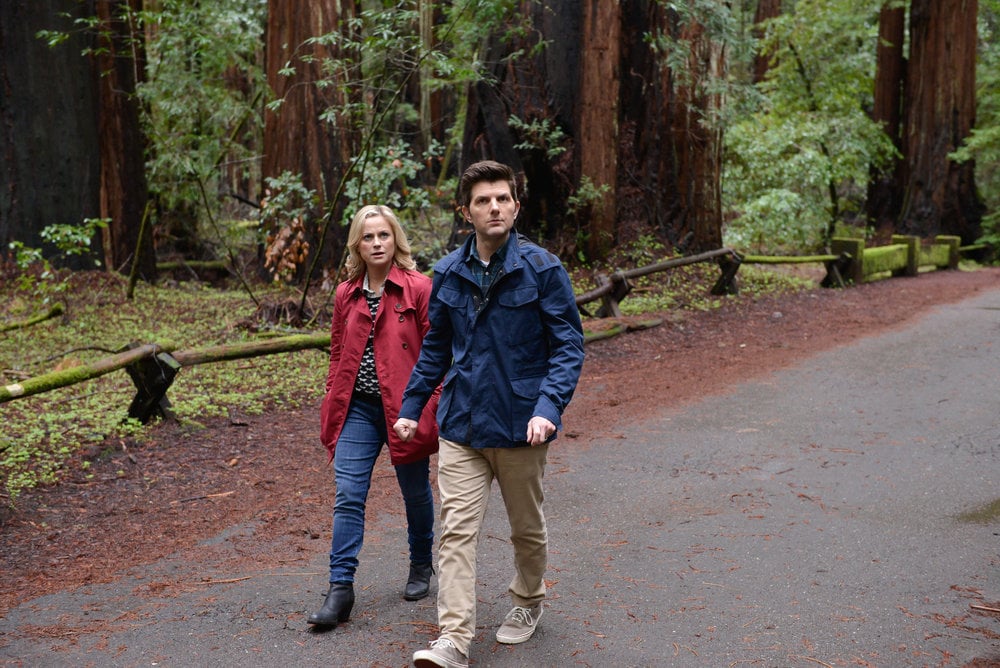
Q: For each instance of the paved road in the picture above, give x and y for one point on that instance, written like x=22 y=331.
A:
x=812 y=518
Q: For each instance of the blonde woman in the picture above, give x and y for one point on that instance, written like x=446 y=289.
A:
x=379 y=321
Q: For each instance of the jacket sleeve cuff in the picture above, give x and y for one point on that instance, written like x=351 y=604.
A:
x=546 y=409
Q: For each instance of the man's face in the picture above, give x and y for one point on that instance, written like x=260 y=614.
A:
x=492 y=210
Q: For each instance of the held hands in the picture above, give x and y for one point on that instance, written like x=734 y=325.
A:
x=405 y=429
x=539 y=430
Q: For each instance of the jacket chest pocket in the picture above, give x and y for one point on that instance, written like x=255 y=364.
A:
x=459 y=307
x=521 y=313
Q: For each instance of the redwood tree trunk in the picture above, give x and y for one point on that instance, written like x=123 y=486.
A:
x=600 y=85
x=124 y=192
x=698 y=143
x=49 y=161
x=670 y=160
x=940 y=195
x=296 y=137
x=534 y=88
x=884 y=190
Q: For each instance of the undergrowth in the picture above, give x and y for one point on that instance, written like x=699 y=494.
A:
x=43 y=433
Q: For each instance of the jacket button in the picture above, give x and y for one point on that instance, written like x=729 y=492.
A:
x=405 y=346
x=401 y=318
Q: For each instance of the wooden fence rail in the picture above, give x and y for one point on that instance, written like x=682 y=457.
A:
x=612 y=289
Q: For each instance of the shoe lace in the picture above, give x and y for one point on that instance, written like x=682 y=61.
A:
x=442 y=643
x=521 y=615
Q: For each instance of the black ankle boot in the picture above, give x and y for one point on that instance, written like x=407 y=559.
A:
x=337 y=606
x=419 y=582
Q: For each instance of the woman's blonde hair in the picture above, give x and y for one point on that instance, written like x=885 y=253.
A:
x=402 y=258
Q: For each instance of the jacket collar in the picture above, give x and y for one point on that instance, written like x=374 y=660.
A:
x=393 y=281
x=510 y=252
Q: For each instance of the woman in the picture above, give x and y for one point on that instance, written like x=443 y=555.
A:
x=379 y=320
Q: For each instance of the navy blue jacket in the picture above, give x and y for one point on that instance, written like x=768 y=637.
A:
x=506 y=356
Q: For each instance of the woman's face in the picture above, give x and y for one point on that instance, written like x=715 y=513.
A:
x=378 y=245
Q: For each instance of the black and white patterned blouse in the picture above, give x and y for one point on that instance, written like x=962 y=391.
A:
x=367 y=381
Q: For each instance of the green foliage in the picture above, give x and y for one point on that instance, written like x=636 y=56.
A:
x=43 y=435
x=212 y=52
x=802 y=159
x=539 y=135
x=36 y=270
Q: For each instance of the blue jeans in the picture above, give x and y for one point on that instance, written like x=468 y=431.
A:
x=358 y=447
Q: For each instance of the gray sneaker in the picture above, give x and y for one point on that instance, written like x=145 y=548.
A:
x=519 y=624
x=442 y=654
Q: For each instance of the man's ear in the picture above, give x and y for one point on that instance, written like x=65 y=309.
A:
x=465 y=214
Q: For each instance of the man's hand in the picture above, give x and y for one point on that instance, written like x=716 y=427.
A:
x=405 y=429
x=539 y=430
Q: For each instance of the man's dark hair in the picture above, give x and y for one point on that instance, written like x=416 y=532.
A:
x=488 y=171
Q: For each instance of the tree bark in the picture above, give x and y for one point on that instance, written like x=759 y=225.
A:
x=49 y=148
x=883 y=201
x=124 y=192
x=536 y=88
x=669 y=157
x=599 y=97
x=939 y=194
x=296 y=137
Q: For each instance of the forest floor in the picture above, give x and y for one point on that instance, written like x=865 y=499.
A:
x=180 y=485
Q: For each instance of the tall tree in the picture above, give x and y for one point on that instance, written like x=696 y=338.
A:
x=303 y=135
x=670 y=148
x=48 y=126
x=600 y=83
x=124 y=193
x=883 y=201
x=939 y=194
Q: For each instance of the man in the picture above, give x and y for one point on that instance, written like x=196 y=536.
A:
x=505 y=337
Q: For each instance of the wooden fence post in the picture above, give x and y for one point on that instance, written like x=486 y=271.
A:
x=854 y=251
x=953 y=243
x=912 y=244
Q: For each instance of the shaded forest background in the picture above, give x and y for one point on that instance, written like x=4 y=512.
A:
x=136 y=132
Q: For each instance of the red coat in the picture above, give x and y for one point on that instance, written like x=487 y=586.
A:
x=400 y=325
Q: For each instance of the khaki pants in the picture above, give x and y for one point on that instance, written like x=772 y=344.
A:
x=465 y=476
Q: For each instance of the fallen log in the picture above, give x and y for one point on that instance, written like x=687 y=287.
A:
x=56 y=309
x=147 y=364
x=78 y=374
x=236 y=351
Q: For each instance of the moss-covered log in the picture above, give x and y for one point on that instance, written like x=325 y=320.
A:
x=78 y=374
x=236 y=351
x=57 y=309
